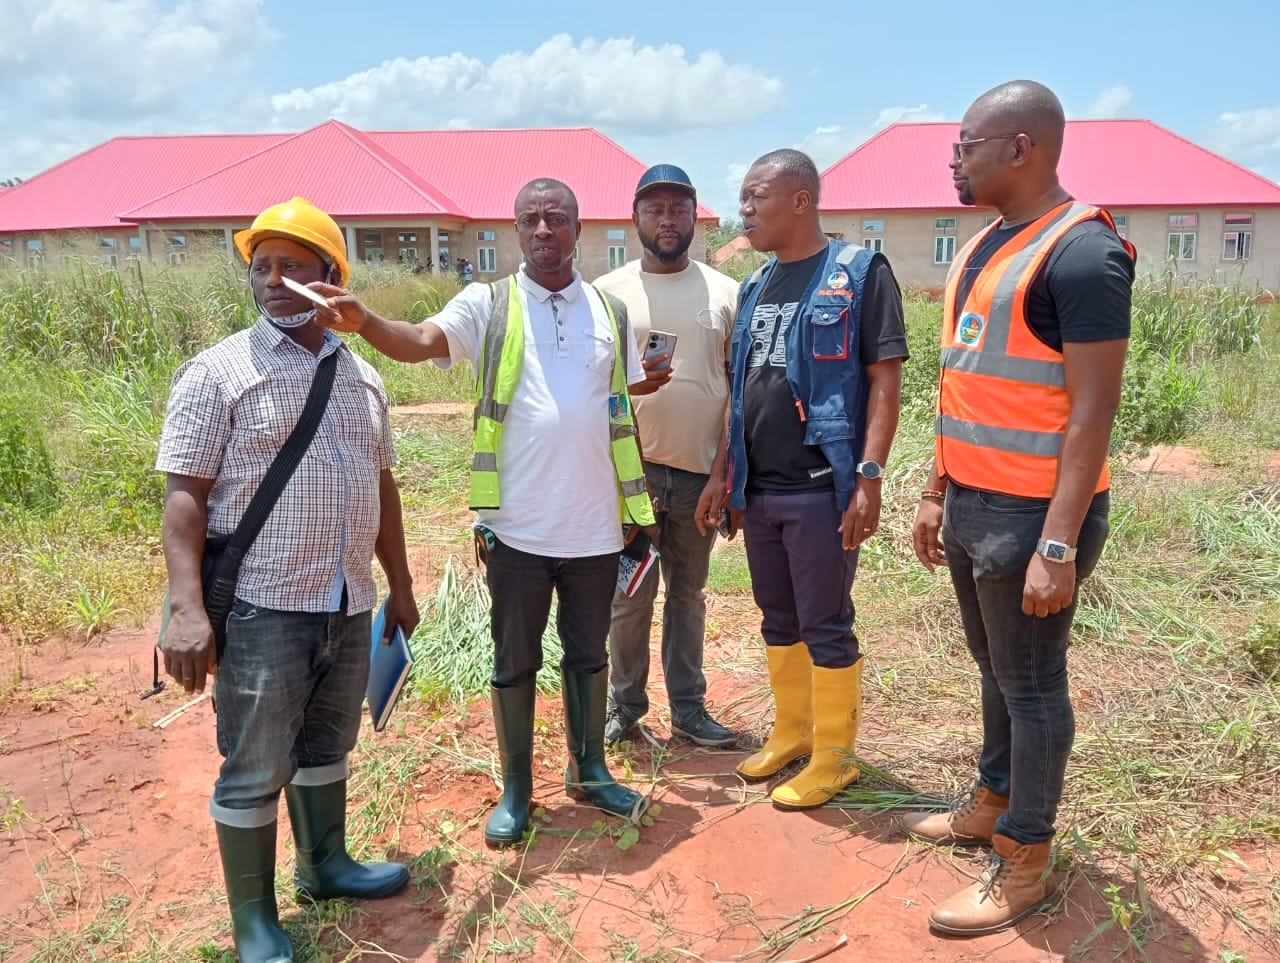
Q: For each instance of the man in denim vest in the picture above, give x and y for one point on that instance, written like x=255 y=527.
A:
x=816 y=369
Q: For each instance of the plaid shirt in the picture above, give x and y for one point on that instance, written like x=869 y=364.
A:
x=230 y=410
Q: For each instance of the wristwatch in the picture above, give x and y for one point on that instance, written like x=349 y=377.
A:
x=869 y=469
x=1056 y=551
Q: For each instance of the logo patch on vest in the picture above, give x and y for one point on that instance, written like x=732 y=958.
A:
x=618 y=406
x=837 y=280
x=969 y=330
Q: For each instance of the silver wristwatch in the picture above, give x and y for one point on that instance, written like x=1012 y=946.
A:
x=1056 y=551
x=869 y=469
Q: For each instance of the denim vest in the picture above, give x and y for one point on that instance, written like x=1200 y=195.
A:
x=824 y=367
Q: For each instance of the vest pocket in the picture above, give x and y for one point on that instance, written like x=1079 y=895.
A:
x=830 y=324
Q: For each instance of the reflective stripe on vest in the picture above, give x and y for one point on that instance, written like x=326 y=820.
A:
x=1002 y=401
x=498 y=374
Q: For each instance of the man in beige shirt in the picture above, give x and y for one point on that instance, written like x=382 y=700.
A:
x=680 y=427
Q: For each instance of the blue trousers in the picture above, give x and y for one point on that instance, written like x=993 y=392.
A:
x=1028 y=726
x=801 y=576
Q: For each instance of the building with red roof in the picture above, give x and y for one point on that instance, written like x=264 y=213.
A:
x=421 y=197
x=1179 y=203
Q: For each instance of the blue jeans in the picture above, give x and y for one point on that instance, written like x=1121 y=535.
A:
x=801 y=576
x=685 y=556
x=521 y=586
x=1027 y=722
x=288 y=693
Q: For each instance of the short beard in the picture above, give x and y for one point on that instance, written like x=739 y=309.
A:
x=667 y=257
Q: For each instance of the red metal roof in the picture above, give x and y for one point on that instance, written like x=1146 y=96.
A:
x=91 y=190
x=470 y=174
x=1113 y=163
x=334 y=166
x=485 y=169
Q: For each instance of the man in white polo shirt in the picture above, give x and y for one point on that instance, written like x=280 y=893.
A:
x=680 y=426
x=556 y=473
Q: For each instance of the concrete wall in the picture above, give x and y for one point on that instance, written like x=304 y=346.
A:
x=908 y=240
x=374 y=243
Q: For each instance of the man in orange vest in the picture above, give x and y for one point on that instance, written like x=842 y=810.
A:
x=1034 y=333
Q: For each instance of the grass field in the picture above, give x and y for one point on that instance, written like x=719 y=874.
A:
x=1176 y=668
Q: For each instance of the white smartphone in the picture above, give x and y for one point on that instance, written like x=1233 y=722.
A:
x=305 y=291
x=660 y=343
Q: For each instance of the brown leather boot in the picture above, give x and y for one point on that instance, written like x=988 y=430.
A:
x=1017 y=881
x=970 y=822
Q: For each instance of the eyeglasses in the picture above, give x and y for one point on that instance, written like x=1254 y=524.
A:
x=961 y=147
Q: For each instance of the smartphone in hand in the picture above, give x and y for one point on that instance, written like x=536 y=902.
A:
x=660 y=343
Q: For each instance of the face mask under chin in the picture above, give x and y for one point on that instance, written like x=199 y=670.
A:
x=292 y=320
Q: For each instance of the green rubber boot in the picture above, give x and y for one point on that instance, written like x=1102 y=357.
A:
x=325 y=870
x=513 y=718
x=249 y=868
x=588 y=778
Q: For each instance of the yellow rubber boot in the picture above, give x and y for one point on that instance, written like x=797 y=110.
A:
x=837 y=710
x=790 y=675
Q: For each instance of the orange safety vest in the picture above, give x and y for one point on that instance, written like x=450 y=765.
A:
x=1002 y=397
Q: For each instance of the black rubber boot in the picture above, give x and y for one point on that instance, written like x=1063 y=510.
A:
x=588 y=778
x=513 y=717
x=325 y=871
x=249 y=868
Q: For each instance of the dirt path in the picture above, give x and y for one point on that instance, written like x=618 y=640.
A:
x=107 y=838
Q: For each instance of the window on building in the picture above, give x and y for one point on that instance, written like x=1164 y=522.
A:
x=487 y=259
x=486 y=235
x=6 y=247
x=135 y=243
x=107 y=243
x=220 y=239
x=373 y=238
x=1122 y=224
x=1237 y=237
x=407 y=237
x=110 y=259
x=616 y=234
x=873 y=225
x=875 y=244
x=35 y=244
x=442 y=237
x=177 y=242
x=617 y=255
x=944 y=240
x=177 y=257
x=988 y=220
x=373 y=255
x=409 y=255
x=1182 y=236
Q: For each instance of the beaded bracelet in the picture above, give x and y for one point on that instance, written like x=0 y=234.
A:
x=934 y=493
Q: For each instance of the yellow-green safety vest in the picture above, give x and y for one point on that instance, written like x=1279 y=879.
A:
x=497 y=374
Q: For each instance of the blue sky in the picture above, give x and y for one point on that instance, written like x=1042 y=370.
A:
x=710 y=91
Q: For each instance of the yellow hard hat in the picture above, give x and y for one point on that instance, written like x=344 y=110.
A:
x=299 y=220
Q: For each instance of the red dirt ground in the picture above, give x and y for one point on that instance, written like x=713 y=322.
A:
x=117 y=808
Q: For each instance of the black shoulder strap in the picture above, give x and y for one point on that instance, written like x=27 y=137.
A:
x=282 y=468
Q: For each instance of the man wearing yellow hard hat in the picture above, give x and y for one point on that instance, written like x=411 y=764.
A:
x=292 y=659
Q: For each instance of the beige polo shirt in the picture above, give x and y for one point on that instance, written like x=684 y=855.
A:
x=681 y=423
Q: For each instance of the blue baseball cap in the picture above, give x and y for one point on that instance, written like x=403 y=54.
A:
x=665 y=175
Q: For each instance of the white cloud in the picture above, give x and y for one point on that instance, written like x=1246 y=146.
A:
x=123 y=59
x=1252 y=138
x=614 y=84
x=1113 y=101
x=828 y=144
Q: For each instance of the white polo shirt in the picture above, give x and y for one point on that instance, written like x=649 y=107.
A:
x=558 y=486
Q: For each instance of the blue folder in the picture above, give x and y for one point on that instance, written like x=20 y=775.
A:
x=389 y=667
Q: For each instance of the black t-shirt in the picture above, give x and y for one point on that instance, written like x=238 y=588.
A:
x=1082 y=291
x=778 y=460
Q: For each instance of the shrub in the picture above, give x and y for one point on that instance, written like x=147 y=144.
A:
x=1262 y=643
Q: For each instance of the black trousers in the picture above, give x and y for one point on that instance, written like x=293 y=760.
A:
x=521 y=586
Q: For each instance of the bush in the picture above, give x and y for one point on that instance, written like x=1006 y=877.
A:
x=27 y=481
x=1262 y=643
